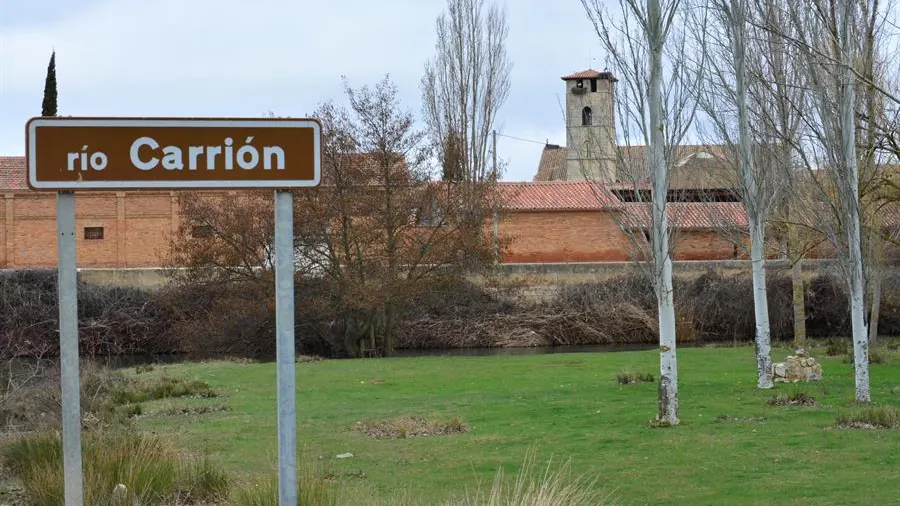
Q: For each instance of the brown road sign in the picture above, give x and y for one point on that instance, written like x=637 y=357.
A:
x=136 y=153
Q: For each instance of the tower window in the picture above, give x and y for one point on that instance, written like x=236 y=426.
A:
x=579 y=83
x=587 y=117
x=593 y=86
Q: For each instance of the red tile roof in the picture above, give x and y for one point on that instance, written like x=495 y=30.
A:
x=557 y=196
x=12 y=173
x=589 y=74
x=689 y=215
x=552 y=166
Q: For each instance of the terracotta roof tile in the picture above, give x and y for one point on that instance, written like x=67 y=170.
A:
x=557 y=196
x=552 y=166
x=589 y=74
x=696 y=167
x=689 y=215
x=12 y=173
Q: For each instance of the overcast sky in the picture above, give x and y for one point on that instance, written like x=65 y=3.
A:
x=240 y=58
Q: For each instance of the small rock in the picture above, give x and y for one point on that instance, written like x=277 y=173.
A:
x=343 y=455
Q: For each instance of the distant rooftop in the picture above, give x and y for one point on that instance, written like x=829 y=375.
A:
x=590 y=74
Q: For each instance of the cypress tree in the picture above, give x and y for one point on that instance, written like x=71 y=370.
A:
x=48 y=108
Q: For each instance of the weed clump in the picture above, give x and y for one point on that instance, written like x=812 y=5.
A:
x=628 y=378
x=869 y=417
x=164 y=388
x=835 y=347
x=798 y=398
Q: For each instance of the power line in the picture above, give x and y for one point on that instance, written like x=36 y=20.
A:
x=522 y=139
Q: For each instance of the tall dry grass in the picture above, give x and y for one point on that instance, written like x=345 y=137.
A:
x=539 y=487
x=120 y=469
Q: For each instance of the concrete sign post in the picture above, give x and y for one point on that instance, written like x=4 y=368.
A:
x=284 y=342
x=70 y=379
x=70 y=154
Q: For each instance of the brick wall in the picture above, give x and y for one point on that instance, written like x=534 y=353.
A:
x=135 y=227
x=704 y=245
x=594 y=236
x=563 y=236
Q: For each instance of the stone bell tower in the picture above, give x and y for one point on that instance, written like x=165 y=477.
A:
x=590 y=126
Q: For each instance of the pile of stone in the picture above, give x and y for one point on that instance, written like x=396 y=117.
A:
x=797 y=367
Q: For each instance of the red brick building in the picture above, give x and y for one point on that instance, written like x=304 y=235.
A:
x=577 y=221
x=114 y=229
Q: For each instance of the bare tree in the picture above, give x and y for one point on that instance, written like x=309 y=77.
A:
x=465 y=85
x=830 y=36
x=726 y=100
x=378 y=232
x=656 y=102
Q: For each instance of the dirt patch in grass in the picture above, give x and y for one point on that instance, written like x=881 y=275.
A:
x=194 y=410
x=630 y=378
x=792 y=399
x=409 y=426
x=731 y=419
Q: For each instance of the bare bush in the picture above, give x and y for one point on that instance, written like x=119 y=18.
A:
x=112 y=320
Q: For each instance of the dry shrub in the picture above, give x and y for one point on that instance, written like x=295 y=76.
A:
x=33 y=402
x=622 y=310
x=827 y=307
x=112 y=320
x=721 y=307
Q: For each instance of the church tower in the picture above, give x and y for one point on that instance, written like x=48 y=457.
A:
x=590 y=126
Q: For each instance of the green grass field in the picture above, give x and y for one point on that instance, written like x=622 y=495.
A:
x=561 y=407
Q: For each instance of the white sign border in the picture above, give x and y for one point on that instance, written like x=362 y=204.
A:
x=162 y=123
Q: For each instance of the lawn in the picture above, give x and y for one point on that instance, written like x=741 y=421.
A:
x=560 y=407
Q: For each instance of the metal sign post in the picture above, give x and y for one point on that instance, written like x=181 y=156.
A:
x=68 y=154
x=284 y=339
x=70 y=381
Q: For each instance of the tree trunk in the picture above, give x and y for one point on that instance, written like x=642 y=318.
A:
x=849 y=194
x=668 y=367
x=875 y=313
x=799 y=300
x=760 y=305
x=755 y=200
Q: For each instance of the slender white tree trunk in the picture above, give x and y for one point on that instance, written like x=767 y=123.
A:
x=755 y=199
x=860 y=334
x=760 y=304
x=850 y=200
x=668 y=367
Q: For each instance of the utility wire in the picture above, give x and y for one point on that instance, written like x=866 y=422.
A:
x=522 y=139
